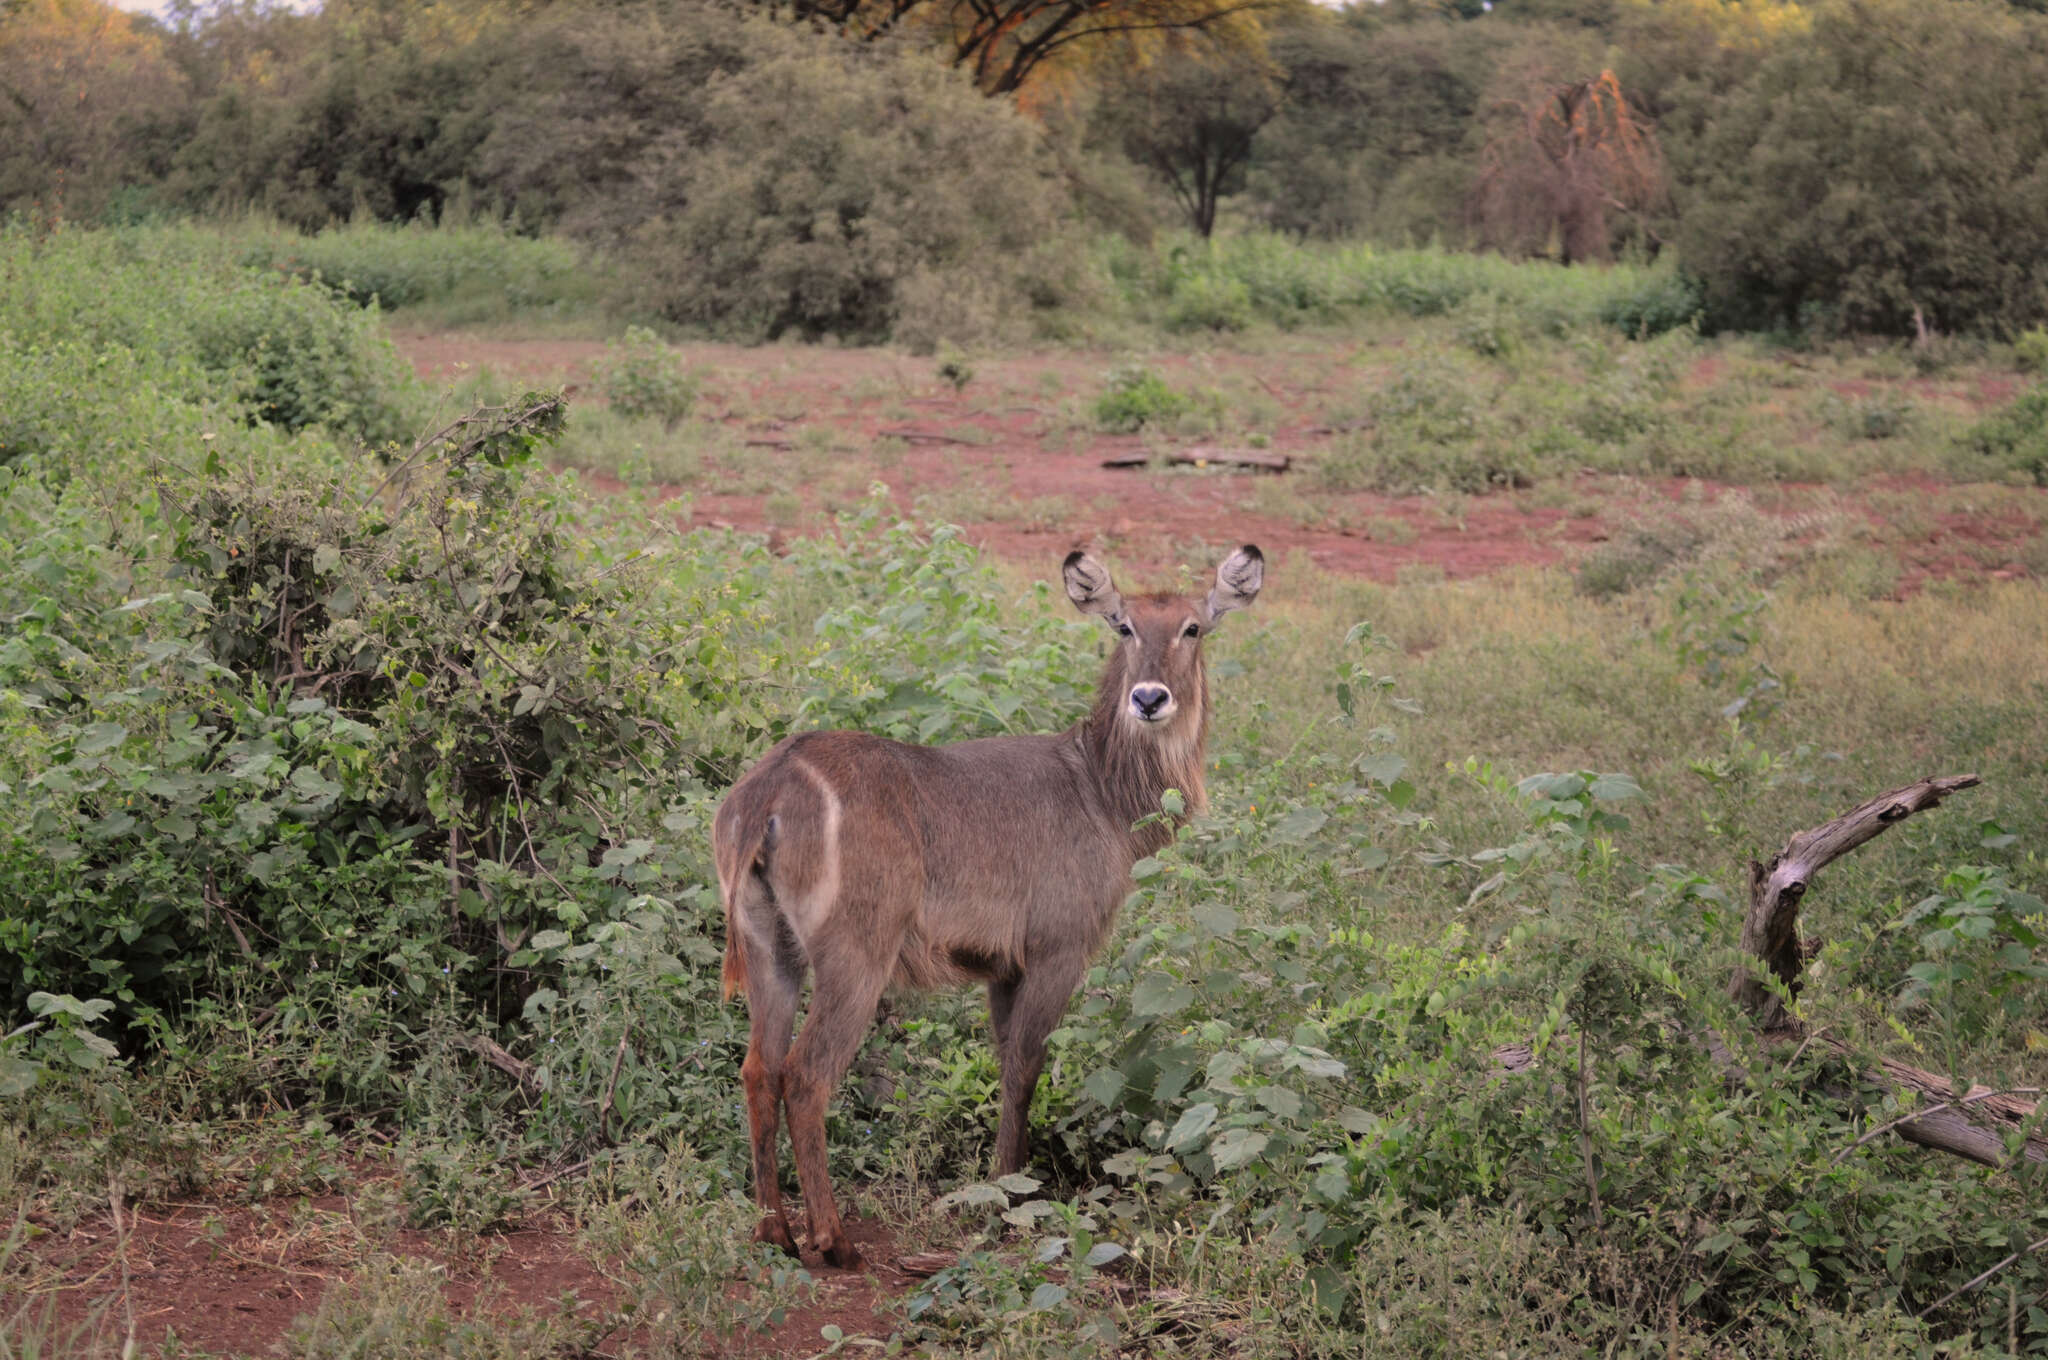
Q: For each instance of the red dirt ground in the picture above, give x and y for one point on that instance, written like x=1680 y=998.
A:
x=226 y=1277
x=1010 y=440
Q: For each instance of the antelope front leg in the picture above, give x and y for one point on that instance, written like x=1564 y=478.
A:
x=1029 y=1010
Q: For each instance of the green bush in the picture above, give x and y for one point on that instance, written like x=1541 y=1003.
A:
x=2030 y=350
x=833 y=184
x=641 y=376
x=199 y=329
x=1663 y=301
x=1207 y=302
x=416 y=264
x=1883 y=173
x=2015 y=438
x=1135 y=396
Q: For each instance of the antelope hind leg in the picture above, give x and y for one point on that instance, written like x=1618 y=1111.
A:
x=843 y=999
x=774 y=977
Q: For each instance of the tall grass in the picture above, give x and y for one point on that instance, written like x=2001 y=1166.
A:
x=459 y=273
x=1189 y=284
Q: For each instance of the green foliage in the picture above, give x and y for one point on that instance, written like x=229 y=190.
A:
x=464 y=271
x=1875 y=416
x=1830 y=199
x=2015 y=438
x=641 y=376
x=1983 y=941
x=918 y=644
x=194 y=332
x=679 y=1254
x=1229 y=282
x=1135 y=396
x=810 y=206
x=59 y=1041
x=2030 y=350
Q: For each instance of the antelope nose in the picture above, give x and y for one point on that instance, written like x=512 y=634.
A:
x=1148 y=700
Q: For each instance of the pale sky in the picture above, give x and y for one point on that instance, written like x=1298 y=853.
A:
x=157 y=7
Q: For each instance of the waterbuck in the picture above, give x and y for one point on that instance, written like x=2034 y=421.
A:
x=878 y=864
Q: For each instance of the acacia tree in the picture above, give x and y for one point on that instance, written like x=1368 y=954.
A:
x=1005 y=42
x=1560 y=165
x=1191 y=120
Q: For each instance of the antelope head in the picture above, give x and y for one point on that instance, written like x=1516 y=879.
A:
x=1155 y=677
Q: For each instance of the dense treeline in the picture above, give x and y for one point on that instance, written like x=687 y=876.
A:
x=1834 y=165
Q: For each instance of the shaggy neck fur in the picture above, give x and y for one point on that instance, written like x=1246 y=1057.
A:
x=1134 y=762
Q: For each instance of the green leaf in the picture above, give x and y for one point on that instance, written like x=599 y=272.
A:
x=1615 y=788
x=1104 y=1085
x=1333 y=1183
x=1159 y=994
x=1216 y=919
x=1192 y=1124
x=972 y=1195
x=18 y=1076
x=1234 y=1148
x=1280 y=1100
x=1383 y=769
x=1017 y=1183
x=1364 y=1123
x=1298 y=825
x=1101 y=1254
x=550 y=939
x=1147 y=869
x=1048 y=1296
x=99 y=738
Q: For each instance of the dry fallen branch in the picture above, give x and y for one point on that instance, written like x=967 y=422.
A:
x=493 y=1053
x=1771 y=930
x=923 y=437
x=1254 y=459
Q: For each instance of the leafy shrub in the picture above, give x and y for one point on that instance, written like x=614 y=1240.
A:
x=2030 y=350
x=1663 y=301
x=1484 y=326
x=1828 y=198
x=1204 y=301
x=200 y=330
x=829 y=179
x=1874 y=416
x=1135 y=396
x=2016 y=437
x=1984 y=945
x=409 y=265
x=641 y=376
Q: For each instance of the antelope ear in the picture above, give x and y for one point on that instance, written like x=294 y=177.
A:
x=1237 y=582
x=1088 y=586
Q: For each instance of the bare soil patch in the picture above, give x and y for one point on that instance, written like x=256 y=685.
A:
x=1012 y=458
x=223 y=1276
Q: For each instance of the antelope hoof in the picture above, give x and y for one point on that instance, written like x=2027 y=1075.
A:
x=775 y=1229
x=841 y=1254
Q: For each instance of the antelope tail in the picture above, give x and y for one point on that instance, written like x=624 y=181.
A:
x=741 y=845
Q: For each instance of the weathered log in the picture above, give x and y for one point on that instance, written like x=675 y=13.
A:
x=1771 y=930
x=1254 y=459
x=1947 y=1125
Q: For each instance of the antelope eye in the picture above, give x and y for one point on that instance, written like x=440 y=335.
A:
x=1192 y=630
x=1124 y=628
